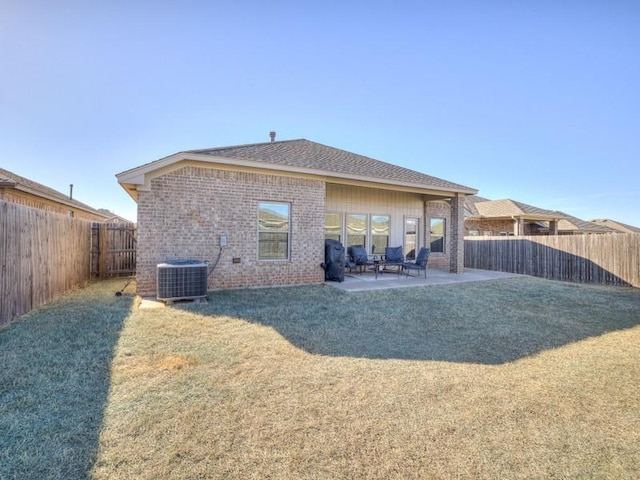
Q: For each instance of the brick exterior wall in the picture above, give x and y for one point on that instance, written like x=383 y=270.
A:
x=32 y=201
x=185 y=212
x=498 y=226
x=438 y=209
x=456 y=264
x=486 y=225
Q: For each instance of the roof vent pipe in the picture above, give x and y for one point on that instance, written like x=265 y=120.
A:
x=272 y=135
x=71 y=191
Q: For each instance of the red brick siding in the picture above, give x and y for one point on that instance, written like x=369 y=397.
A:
x=493 y=226
x=185 y=212
x=438 y=209
x=32 y=201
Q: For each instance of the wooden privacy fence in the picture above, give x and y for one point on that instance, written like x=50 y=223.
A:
x=42 y=255
x=610 y=259
x=113 y=249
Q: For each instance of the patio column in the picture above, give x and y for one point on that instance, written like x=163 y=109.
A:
x=553 y=227
x=456 y=258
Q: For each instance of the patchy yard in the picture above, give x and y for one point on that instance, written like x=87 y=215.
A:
x=511 y=378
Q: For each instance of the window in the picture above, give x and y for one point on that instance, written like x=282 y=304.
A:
x=437 y=235
x=356 y=229
x=410 y=237
x=380 y=226
x=273 y=231
x=333 y=226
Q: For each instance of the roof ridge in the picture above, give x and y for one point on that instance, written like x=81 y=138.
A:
x=243 y=145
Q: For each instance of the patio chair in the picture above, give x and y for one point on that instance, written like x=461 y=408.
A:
x=393 y=258
x=419 y=264
x=358 y=258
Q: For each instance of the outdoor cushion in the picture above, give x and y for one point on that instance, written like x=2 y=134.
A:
x=358 y=255
x=393 y=255
x=420 y=263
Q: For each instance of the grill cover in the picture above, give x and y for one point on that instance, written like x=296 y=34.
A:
x=333 y=260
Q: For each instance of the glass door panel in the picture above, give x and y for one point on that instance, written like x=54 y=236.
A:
x=410 y=237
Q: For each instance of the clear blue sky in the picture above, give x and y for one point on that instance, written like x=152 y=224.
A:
x=534 y=101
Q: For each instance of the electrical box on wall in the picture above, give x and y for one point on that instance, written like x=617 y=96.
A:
x=223 y=240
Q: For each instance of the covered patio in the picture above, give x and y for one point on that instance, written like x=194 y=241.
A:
x=366 y=281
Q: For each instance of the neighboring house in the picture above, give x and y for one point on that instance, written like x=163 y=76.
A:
x=268 y=207
x=617 y=226
x=486 y=217
x=113 y=217
x=20 y=190
x=507 y=217
x=569 y=225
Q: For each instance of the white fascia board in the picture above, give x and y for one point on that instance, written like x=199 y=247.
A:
x=137 y=175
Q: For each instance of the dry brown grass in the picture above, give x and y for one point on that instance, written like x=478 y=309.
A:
x=280 y=383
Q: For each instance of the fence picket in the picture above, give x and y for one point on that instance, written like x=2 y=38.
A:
x=113 y=249
x=42 y=255
x=611 y=259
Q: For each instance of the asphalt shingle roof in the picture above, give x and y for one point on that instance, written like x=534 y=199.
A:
x=470 y=204
x=303 y=153
x=481 y=207
x=617 y=226
x=10 y=179
x=568 y=222
x=510 y=208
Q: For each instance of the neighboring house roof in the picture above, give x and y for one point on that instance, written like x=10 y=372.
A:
x=470 y=205
x=569 y=223
x=617 y=226
x=481 y=208
x=298 y=156
x=117 y=219
x=11 y=180
x=507 y=208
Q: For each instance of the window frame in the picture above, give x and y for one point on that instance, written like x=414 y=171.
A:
x=371 y=234
x=261 y=230
x=365 y=233
x=443 y=237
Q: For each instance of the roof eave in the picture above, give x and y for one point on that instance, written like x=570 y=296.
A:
x=132 y=179
x=51 y=198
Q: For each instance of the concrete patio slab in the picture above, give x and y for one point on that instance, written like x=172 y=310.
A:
x=148 y=303
x=356 y=282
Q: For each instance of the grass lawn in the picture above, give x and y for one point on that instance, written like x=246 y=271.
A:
x=514 y=378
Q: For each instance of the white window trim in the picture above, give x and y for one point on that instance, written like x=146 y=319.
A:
x=445 y=235
x=272 y=260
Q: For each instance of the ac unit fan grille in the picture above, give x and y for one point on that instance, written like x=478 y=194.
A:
x=182 y=280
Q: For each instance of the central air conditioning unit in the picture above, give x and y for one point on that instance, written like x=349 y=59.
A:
x=182 y=280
